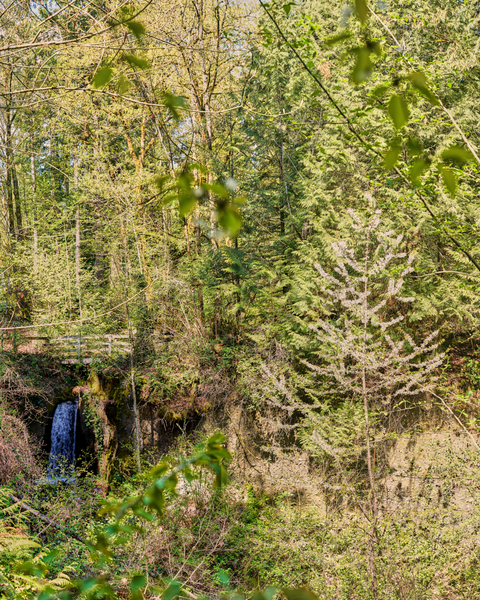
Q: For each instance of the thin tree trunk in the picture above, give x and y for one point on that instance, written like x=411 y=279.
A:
x=135 y=416
x=35 y=225
x=77 y=258
x=370 y=466
x=8 y=167
x=16 y=195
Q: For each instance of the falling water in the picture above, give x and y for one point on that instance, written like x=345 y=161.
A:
x=61 y=462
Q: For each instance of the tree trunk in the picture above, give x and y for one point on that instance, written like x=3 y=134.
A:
x=9 y=167
x=35 y=225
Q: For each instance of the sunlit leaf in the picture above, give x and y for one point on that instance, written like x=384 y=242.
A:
x=449 y=179
x=137 y=582
x=363 y=65
x=135 y=61
x=216 y=441
x=172 y=591
x=337 y=39
x=123 y=85
x=391 y=156
x=380 y=90
x=398 y=111
x=142 y=514
x=417 y=168
x=102 y=77
x=299 y=594
x=187 y=203
x=361 y=9
x=457 y=155
x=174 y=104
x=219 y=190
x=419 y=82
x=414 y=147
x=136 y=27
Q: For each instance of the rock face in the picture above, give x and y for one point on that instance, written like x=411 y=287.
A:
x=98 y=423
x=435 y=468
x=270 y=471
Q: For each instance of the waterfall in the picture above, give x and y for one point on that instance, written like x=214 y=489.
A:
x=61 y=462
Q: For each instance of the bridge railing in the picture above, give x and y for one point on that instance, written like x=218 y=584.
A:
x=83 y=349
x=71 y=349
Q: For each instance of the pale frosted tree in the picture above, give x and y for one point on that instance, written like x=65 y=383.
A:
x=364 y=355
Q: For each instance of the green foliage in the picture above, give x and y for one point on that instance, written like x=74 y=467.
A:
x=127 y=516
x=93 y=422
x=220 y=108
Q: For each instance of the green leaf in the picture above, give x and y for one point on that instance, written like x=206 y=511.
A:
x=391 y=156
x=173 y=104
x=398 y=111
x=223 y=577
x=102 y=77
x=361 y=9
x=137 y=28
x=288 y=7
x=135 y=61
x=363 y=65
x=172 y=591
x=269 y=592
x=159 y=470
x=219 y=190
x=374 y=46
x=414 y=147
x=449 y=180
x=337 y=39
x=187 y=202
x=299 y=594
x=88 y=584
x=103 y=545
x=142 y=514
x=417 y=168
x=457 y=155
x=123 y=85
x=419 y=82
x=380 y=90
x=216 y=441
x=137 y=582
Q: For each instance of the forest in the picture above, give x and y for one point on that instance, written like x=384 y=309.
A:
x=239 y=249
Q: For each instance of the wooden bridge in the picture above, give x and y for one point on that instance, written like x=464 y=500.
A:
x=71 y=349
x=83 y=349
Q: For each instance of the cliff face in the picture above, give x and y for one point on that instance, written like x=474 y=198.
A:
x=435 y=464
x=429 y=461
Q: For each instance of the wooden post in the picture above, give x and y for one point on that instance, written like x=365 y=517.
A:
x=109 y=345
